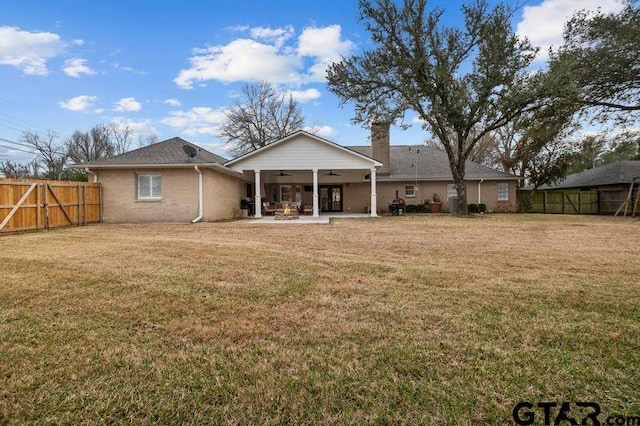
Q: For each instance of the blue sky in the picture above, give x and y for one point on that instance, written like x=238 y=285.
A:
x=170 y=68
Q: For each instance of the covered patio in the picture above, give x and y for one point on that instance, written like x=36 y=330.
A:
x=306 y=169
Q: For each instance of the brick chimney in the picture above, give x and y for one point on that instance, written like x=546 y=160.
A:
x=380 y=149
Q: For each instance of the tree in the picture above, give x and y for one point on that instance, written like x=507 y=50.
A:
x=121 y=135
x=543 y=152
x=11 y=169
x=626 y=146
x=50 y=153
x=90 y=146
x=590 y=150
x=147 y=140
x=463 y=83
x=263 y=117
x=598 y=65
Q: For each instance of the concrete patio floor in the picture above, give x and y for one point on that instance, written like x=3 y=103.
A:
x=325 y=218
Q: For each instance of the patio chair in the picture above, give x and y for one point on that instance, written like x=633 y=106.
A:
x=267 y=209
x=307 y=209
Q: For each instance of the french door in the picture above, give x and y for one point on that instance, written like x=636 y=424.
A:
x=330 y=198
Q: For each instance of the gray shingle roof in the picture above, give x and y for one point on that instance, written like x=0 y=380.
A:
x=162 y=153
x=432 y=164
x=617 y=173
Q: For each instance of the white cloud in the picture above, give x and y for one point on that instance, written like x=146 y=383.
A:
x=29 y=51
x=278 y=35
x=79 y=103
x=267 y=56
x=304 y=95
x=326 y=132
x=543 y=24
x=323 y=42
x=77 y=66
x=173 y=102
x=127 y=104
x=196 y=121
x=140 y=127
x=240 y=60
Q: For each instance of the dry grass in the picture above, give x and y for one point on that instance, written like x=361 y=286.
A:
x=420 y=319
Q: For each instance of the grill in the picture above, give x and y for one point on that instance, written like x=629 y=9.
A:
x=397 y=206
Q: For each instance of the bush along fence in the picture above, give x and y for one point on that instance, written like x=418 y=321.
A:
x=39 y=204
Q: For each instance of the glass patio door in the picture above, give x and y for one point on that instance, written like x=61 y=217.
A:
x=331 y=198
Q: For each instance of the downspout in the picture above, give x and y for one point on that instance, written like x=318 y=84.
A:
x=200 y=201
x=480 y=192
x=95 y=175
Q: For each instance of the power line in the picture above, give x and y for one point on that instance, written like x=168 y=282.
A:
x=15 y=148
x=16 y=143
x=36 y=112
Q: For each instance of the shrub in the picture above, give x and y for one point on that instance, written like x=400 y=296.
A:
x=482 y=208
x=416 y=208
x=473 y=208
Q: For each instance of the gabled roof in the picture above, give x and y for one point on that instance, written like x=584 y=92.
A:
x=617 y=173
x=168 y=152
x=410 y=162
x=303 y=150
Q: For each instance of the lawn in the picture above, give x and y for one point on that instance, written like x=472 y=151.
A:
x=419 y=319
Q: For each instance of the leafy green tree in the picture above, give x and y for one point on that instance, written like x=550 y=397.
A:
x=598 y=66
x=625 y=146
x=589 y=154
x=464 y=83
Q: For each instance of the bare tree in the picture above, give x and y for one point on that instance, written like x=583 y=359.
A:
x=147 y=140
x=51 y=154
x=15 y=170
x=90 y=146
x=264 y=116
x=121 y=137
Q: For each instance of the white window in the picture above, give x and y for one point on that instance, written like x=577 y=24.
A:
x=298 y=194
x=451 y=190
x=503 y=192
x=149 y=187
x=285 y=193
x=410 y=191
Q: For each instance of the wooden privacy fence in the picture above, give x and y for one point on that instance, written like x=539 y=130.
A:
x=40 y=204
x=573 y=201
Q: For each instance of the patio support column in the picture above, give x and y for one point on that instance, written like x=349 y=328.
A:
x=374 y=201
x=258 y=202
x=316 y=210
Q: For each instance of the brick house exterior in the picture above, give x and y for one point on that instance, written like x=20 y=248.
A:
x=177 y=181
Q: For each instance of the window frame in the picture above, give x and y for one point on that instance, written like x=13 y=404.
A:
x=152 y=194
x=502 y=194
x=289 y=192
x=410 y=193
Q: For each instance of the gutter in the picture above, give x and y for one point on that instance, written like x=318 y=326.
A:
x=95 y=175
x=479 y=191
x=200 y=197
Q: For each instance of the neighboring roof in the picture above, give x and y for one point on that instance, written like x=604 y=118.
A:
x=409 y=162
x=304 y=150
x=168 y=152
x=617 y=173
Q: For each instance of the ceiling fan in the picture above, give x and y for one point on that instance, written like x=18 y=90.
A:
x=282 y=173
x=332 y=174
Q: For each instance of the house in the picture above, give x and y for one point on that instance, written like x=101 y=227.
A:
x=166 y=182
x=163 y=182
x=600 y=190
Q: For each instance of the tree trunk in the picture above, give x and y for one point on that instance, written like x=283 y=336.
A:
x=461 y=189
